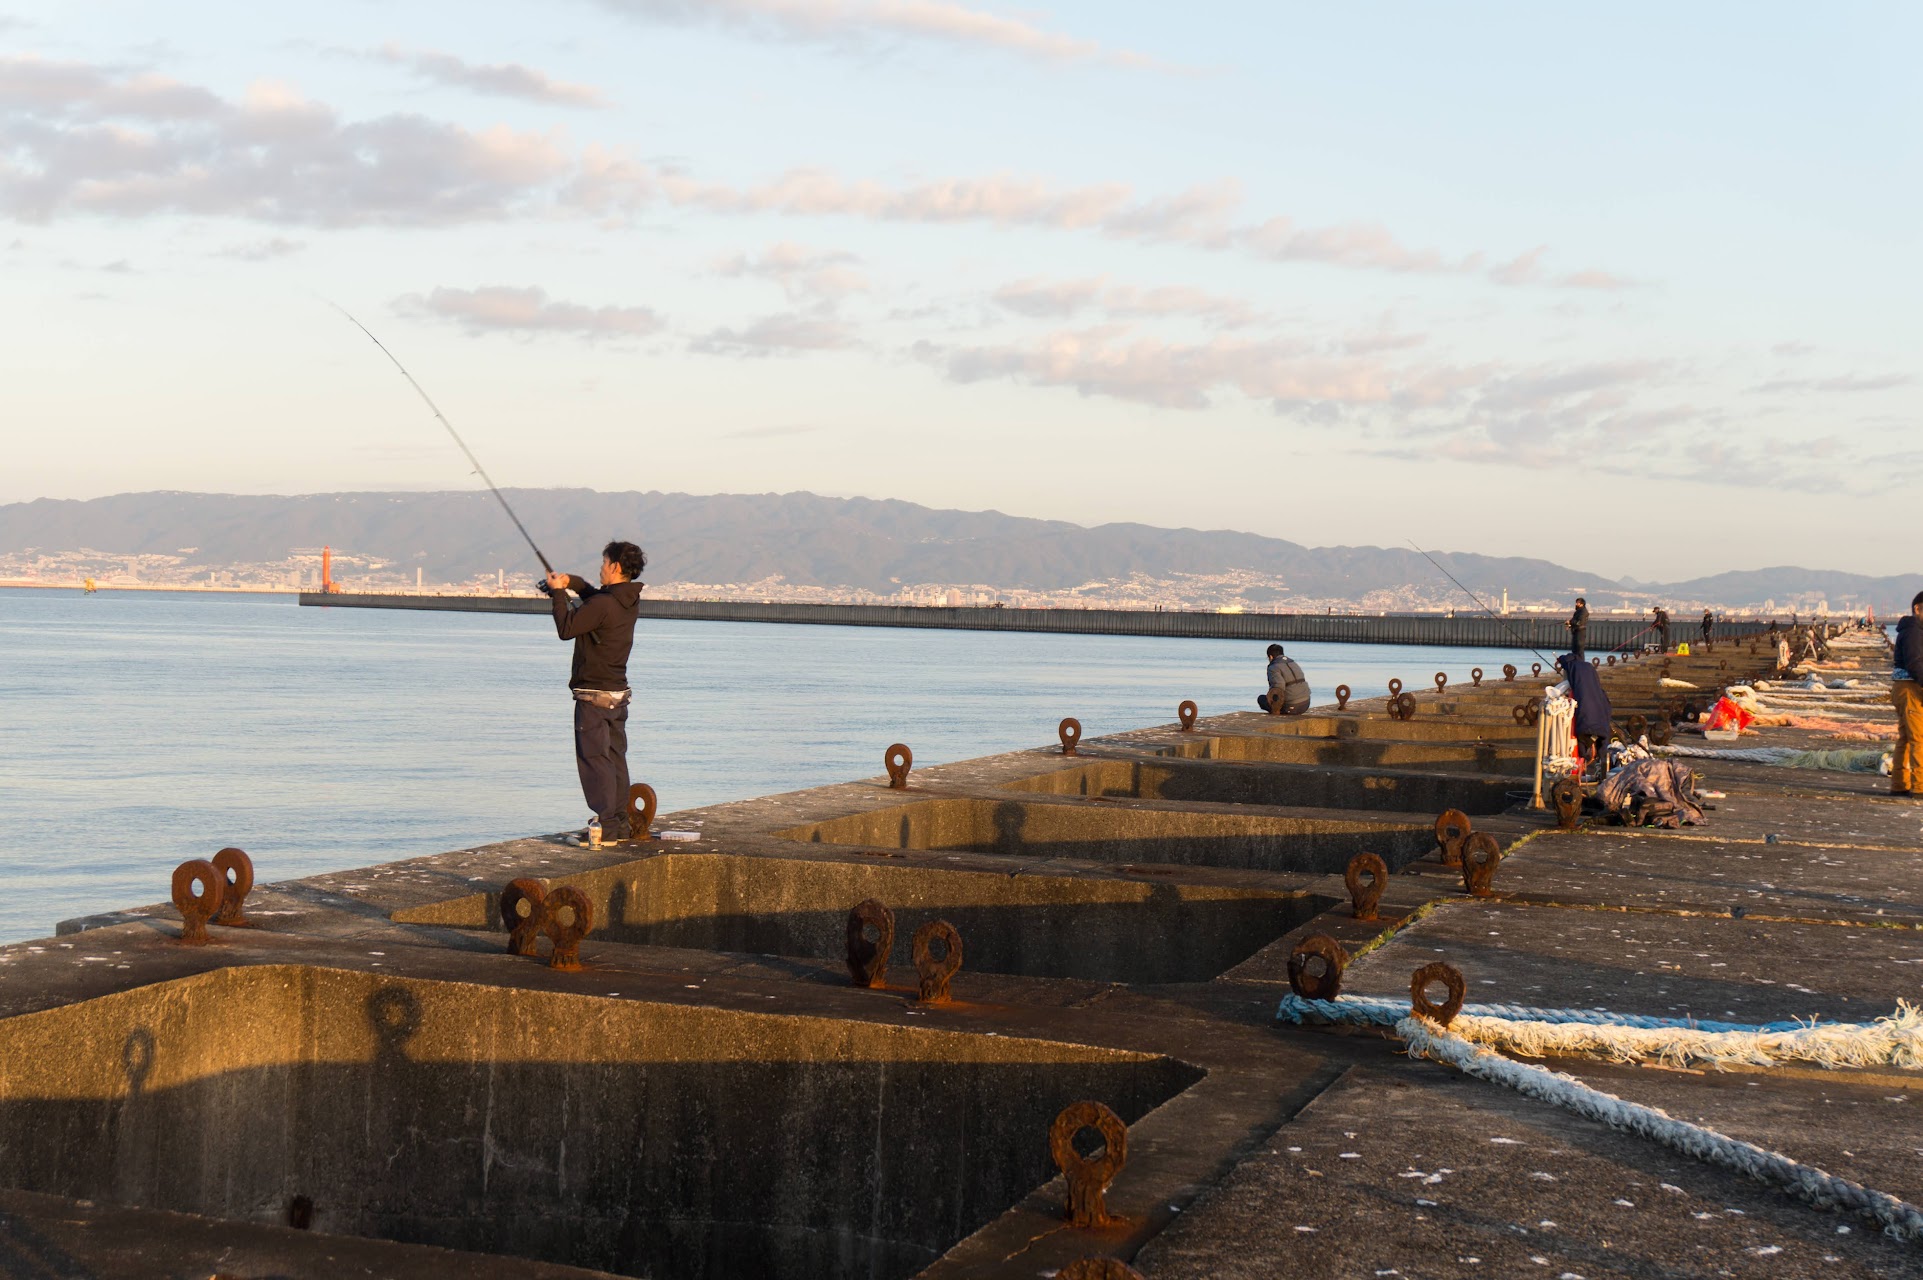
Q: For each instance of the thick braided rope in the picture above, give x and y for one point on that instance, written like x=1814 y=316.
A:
x=1386 y=1013
x=1894 y=1041
x=1898 y=1218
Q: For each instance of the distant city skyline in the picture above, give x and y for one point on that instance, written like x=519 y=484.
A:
x=1631 y=288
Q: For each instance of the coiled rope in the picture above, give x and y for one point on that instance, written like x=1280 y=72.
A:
x=1898 y=1218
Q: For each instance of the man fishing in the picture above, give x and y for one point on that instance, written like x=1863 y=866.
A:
x=1578 y=625
x=602 y=628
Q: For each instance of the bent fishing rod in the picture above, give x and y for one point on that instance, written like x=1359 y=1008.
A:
x=1498 y=618
x=479 y=470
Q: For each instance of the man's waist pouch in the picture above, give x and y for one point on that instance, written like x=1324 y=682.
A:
x=606 y=699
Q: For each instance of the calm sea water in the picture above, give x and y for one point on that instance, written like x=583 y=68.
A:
x=141 y=728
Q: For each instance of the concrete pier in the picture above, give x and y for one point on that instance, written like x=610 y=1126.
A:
x=1517 y=631
x=369 y=1082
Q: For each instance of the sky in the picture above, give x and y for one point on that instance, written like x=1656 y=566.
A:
x=1633 y=288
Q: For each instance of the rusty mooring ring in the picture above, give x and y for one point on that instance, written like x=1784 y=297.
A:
x=1395 y=686
x=868 y=961
x=1449 y=976
x=1186 y=711
x=1521 y=712
x=1311 y=986
x=1637 y=726
x=1566 y=795
x=1531 y=712
x=523 y=927
x=1364 y=897
x=1452 y=828
x=567 y=937
x=1342 y=697
x=1508 y=671
x=1612 y=659
x=898 y=760
x=196 y=909
x=1405 y=706
x=1535 y=668
x=934 y=974
x=641 y=815
x=236 y=882
x=1475 y=677
x=1088 y=1177
x=1442 y=681
x=1098 y=1269
x=1480 y=856
x=1070 y=732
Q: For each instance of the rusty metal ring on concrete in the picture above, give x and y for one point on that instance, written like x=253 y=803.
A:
x=1364 y=897
x=1531 y=712
x=523 y=927
x=1521 y=712
x=1566 y=795
x=236 y=882
x=1480 y=856
x=1442 y=681
x=567 y=937
x=1342 y=697
x=1475 y=677
x=1395 y=686
x=1186 y=711
x=642 y=803
x=1535 y=668
x=1406 y=707
x=196 y=909
x=1452 y=828
x=1508 y=671
x=934 y=974
x=1449 y=976
x=868 y=961
x=1638 y=726
x=898 y=760
x=1328 y=984
x=1098 y=1269
x=1088 y=1177
x=1070 y=732
x=1612 y=659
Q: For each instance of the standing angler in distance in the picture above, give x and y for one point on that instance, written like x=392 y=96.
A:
x=602 y=628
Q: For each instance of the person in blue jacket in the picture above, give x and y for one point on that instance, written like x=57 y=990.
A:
x=1593 y=712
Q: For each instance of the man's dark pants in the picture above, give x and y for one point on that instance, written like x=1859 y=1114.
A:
x=601 y=755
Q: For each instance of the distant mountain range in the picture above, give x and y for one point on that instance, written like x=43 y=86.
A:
x=826 y=542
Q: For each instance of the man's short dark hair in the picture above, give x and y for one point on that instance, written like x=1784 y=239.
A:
x=1918 y=600
x=1275 y=651
x=630 y=557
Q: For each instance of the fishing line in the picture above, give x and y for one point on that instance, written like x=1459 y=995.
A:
x=479 y=470
x=1499 y=619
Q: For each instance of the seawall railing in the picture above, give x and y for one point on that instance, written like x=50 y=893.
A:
x=1530 y=631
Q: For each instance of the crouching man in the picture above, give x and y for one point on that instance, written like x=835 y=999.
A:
x=602 y=628
x=1288 y=688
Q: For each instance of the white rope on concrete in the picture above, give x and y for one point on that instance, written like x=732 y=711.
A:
x=1896 y=1040
x=1898 y=1218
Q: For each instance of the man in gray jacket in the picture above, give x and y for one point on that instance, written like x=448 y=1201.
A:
x=1288 y=688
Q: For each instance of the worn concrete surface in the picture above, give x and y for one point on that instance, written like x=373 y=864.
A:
x=709 y=1096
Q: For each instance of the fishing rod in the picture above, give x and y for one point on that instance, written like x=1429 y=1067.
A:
x=479 y=470
x=1499 y=619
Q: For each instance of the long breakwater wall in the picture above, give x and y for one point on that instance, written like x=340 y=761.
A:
x=1397 y=628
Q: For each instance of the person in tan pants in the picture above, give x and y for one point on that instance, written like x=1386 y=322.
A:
x=1906 y=691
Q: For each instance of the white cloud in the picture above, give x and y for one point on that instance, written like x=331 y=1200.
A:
x=858 y=23
x=506 y=309
x=805 y=274
x=1061 y=299
x=789 y=333
x=505 y=79
x=79 y=139
x=1848 y=382
x=264 y=250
